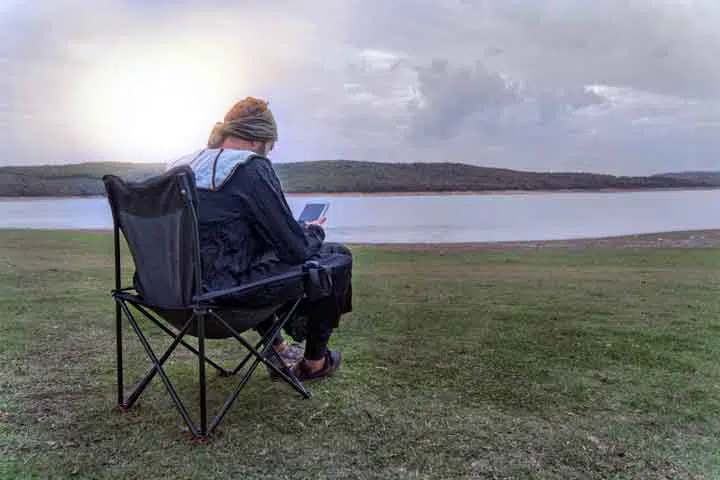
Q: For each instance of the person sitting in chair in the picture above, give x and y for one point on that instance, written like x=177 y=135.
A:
x=247 y=230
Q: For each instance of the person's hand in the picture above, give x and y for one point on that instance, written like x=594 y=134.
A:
x=319 y=221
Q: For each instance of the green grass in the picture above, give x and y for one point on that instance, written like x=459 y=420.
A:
x=594 y=363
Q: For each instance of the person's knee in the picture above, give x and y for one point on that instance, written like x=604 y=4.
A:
x=344 y=250
x=336 y=248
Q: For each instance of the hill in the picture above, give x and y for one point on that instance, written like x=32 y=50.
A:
x=355 y=176
x=337 y=176
x=84 y=179
x=712 y=178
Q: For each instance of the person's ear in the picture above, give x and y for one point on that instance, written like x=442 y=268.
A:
x=258 y=147
x=265 y=148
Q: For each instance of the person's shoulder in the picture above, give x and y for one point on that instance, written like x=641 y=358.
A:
x=257 y=159
x=258 y=163
x=236 y=164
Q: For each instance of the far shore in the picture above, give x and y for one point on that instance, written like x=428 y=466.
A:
x=493 y=192
x=411 y=193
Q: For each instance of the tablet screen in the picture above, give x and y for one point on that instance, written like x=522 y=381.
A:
x=312 y=211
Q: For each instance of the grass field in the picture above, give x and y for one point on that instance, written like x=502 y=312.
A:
x=521 y=363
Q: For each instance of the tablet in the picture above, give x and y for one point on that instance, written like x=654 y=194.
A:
x=313 y=211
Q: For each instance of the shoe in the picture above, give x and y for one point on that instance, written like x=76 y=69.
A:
x=332 y=363
x=290 y=357
x=292 y=354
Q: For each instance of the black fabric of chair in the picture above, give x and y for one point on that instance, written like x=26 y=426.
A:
x=158 y=219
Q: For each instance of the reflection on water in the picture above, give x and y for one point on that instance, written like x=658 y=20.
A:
x=442 y=218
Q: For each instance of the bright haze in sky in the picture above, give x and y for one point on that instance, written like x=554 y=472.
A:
x=623 y=87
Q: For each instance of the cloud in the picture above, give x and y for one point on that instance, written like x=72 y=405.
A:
x=555 y=58
x=613 y=86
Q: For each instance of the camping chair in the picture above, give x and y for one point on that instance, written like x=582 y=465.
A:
x=158 y=219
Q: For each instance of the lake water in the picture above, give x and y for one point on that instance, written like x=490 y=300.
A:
x=442 y=218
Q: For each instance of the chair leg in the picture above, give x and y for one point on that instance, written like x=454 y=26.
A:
x=233 y=396
x=242 y=363
x=286 y=375
x=260 y=357
x=153 y=370
x=157 y=368
x=221 y=371
x=118 y=315
x=200 y=317
x=119 y=356
x=289 y=377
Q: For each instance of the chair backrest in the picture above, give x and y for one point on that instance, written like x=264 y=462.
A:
x=158 y=218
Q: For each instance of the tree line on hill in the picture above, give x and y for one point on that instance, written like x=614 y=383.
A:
x=345 y=176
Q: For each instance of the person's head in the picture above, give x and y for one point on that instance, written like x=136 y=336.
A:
x=248 y=125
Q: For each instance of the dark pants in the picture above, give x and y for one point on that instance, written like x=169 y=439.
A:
x=316 y=319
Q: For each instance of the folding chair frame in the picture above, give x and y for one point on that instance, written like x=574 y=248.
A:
x=201 y=311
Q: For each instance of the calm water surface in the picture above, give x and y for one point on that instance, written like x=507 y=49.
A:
x=442 y=218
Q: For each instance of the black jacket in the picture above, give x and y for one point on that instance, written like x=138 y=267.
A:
x=247 y=229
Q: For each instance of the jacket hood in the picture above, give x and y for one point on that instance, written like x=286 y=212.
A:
x=222 y=162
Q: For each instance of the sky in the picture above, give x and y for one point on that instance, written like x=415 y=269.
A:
x=626 y=87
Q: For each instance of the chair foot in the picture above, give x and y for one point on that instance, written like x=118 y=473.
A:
x=202 y=439
x=121 y=408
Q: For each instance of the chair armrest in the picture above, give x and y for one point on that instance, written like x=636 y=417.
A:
x=215 y=294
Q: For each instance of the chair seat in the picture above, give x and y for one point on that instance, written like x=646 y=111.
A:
x=242 y=311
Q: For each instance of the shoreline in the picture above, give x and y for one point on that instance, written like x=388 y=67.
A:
x=420 y=193
x=688 y=239
x=709 y=238
x=495 y=192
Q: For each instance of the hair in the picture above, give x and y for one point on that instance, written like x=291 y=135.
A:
x=249 y=118
x=245 y=107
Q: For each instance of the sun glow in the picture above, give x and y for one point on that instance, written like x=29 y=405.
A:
x=150 y=105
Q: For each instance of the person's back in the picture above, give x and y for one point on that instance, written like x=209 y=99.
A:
x=246 y=226
x=247 y=230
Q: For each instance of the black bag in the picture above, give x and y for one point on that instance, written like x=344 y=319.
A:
x=318 y=282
